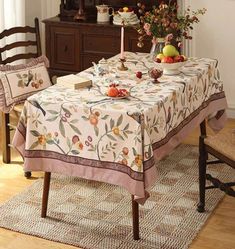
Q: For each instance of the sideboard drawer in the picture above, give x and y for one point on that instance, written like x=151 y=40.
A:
x=93 y=43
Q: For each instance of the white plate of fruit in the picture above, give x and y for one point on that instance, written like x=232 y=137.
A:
x=170 y=60
x=125 y=12
x=115 y=92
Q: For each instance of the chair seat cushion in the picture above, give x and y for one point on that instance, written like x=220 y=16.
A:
x=18 y=82
x=223 y=143
x=18 y=107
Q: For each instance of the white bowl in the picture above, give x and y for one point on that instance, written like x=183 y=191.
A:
x=171 y=68
x=125 y=14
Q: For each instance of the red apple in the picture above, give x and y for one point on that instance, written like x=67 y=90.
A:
x=167 y=59
x=178 y=58
x=158 y=60
x=139 y=75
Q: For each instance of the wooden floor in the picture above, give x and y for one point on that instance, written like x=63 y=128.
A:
x=218 y=232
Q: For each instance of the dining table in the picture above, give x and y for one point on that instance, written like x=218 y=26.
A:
x=119 y=140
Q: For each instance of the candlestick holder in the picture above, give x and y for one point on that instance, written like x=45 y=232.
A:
x=122 y=67
x=80 y=15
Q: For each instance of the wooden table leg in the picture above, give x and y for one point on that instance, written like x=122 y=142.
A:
x=46 y=187
x=135 y=218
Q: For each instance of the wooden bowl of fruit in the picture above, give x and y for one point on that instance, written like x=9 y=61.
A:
x=125 y=12
x=115 y=92
x=170 y=61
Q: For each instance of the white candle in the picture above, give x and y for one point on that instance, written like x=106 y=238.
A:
x=122 y=43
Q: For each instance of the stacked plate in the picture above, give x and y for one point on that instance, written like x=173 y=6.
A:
x=129 y=20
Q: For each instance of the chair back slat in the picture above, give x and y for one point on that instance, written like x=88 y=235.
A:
x=21 y=30
x=15 y=30
x=18 y=44
x=19 y=57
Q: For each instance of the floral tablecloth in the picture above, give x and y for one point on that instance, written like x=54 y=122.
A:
x=87 y=134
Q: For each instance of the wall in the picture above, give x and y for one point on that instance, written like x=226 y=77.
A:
x=42 y=9
x=214 y=37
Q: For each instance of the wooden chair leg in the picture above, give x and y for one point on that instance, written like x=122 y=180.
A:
x=135 y=218
x=203 y=132
x=6 y=156
x=46 y=187
x=202 y=175
x=27 y=174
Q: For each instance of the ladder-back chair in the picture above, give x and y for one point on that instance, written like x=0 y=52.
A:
x=222 y=147
x=36 y=45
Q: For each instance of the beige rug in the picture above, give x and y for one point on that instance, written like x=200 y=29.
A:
x=97 y=215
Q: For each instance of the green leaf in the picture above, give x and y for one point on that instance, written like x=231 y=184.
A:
x=35 y=133
x=66 y=110
x=50 y=142
x=155 y=129
x=105 y=117
x=126 y=127
x=114 y=155
x=106 y=128
x=75 y=152
x=52 y=118
x=61 y=127
x=120 y=136
x=111 y=123
x=34 y=145
x=68 y=142
x=129 y=132
x=53 y=112
x=111 y=137
x=120 y=119
x=96 y=130
x=75 y=129
x=134 y=151
x=125 y=135
x=74 y=121
x=85 y=118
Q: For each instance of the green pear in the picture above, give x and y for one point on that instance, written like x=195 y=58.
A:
x=170 y=50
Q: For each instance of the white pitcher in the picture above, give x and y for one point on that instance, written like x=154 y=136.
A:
x=103 y=13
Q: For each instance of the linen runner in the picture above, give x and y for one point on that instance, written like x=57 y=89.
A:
x=85 y=133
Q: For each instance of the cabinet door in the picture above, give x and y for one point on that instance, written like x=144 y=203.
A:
x=64 y=46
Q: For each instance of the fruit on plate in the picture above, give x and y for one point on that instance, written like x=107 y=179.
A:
x=170 y=50
x=170 y=55
x=125 y=9
x=160 y=56
x=167 y=59
x=139 y=75
x=113 y=91
x=179 y=58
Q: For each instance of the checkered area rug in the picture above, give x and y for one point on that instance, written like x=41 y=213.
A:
x=97 y=215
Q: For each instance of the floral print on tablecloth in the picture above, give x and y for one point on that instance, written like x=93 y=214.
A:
x=87 y=124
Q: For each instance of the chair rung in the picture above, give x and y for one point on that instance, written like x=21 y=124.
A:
x=214 y=162
x=12 y=126
x=225 y=187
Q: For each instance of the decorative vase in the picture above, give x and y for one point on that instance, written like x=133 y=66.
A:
x=157 y=47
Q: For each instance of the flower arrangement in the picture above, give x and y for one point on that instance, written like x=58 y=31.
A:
x=166 y=19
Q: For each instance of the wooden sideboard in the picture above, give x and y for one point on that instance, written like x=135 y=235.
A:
x=72 y=46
